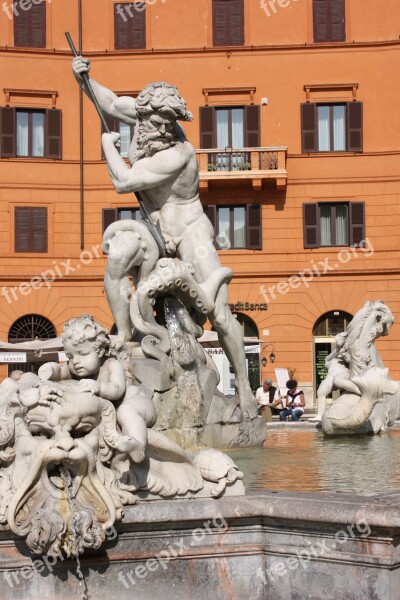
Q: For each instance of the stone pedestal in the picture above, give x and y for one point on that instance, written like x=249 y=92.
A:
x=280 y=546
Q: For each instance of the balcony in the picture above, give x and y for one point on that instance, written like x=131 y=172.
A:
x=256 y=164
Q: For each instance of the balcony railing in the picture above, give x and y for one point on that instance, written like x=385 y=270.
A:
x=257 y=164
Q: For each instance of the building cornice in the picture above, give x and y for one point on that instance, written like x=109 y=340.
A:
x=228 y=50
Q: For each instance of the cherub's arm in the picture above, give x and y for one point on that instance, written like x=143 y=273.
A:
x=112 y=381
x=53 y=371
x=144 y=174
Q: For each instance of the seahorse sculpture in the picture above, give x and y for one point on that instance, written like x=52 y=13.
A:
x=370 y=400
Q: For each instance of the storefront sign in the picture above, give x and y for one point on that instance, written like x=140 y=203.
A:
x=255 y=349
x=246 y=306
x=12 y=357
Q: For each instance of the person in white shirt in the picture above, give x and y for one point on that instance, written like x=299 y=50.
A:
x=268 y=399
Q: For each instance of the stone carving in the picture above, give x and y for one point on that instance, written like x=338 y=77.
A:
x=70 y=460
x=170 y=256
x=370 y=400
x=218 y=468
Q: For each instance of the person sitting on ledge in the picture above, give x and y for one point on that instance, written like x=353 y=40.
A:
x=295 y=402
x=268 y=399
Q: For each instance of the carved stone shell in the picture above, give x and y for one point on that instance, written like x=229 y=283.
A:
x=213 y=464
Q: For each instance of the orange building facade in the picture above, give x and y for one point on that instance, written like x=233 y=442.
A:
x=298 y=149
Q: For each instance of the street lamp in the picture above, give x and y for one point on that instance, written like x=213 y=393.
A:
x=272 y=356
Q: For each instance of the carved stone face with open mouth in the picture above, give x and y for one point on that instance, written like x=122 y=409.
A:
x=57 y=476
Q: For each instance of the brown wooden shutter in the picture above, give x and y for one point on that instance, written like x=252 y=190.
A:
x=21 y=29
x=22 y=229
x=253 y=226
x=8 y=133
x=39 y=229
x=207 y=127
x=129 y=25
x=37 y=15
x=121 y=28
x=252 y=126
x=309 y=138
x=236 y=23
x=220 y=23
x=30 y=229
x=311 y=225
x=110 y=215
x=139 y=25
x=321 y=20
x=357 y=222
x=337 y=20
x=354 y=126
x=53 y=131
x=228 y=22
x=30 y=26
x=329 y=20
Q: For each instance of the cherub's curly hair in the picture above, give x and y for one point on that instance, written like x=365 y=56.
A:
x=85 y=328
x=163 y=97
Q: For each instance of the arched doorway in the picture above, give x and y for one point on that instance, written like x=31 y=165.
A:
x=27 y=329
x=252 y=349
x=324 y=332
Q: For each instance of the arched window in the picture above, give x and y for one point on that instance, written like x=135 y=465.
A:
x=27 y=329
x=332 y=323
x=249 y=328
x=324 y=332
x=31 y=327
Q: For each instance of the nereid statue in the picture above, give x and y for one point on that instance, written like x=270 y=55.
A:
x=369 y=400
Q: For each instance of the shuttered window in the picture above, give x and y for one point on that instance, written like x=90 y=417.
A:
x=236 y=226
x=30 y=229
x=30 y=25
x=329 y=20
x=332 y=127
x=30 y=133
x=130 y=25
x=228 y=22
x=230 y=127
x=333 y=224
x=110 y=215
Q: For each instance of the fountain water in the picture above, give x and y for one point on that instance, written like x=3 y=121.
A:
x=68 y=485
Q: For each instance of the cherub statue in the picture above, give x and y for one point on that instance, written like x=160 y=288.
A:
x=87 y=347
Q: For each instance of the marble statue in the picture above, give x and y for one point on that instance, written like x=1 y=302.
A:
x=182 y=271
x=76 y=445
x=369 y=399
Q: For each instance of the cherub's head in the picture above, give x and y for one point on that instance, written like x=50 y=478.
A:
x=86 y=343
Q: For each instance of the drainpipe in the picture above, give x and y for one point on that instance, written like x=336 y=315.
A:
x=81 y=173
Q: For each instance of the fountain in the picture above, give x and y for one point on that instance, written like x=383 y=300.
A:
x=121 y=437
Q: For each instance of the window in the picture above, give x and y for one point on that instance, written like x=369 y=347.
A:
x=228 y=23
x=329 y=20
x=30 y=133
x=332 y=323
x=26 y=329
x=228 y=129
x=126 y=132
x=30 y=25
x=30 y=229
x=236 y=226
x=333 y=224
x=332 y=127
x=130 y=25
x=110 y=215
